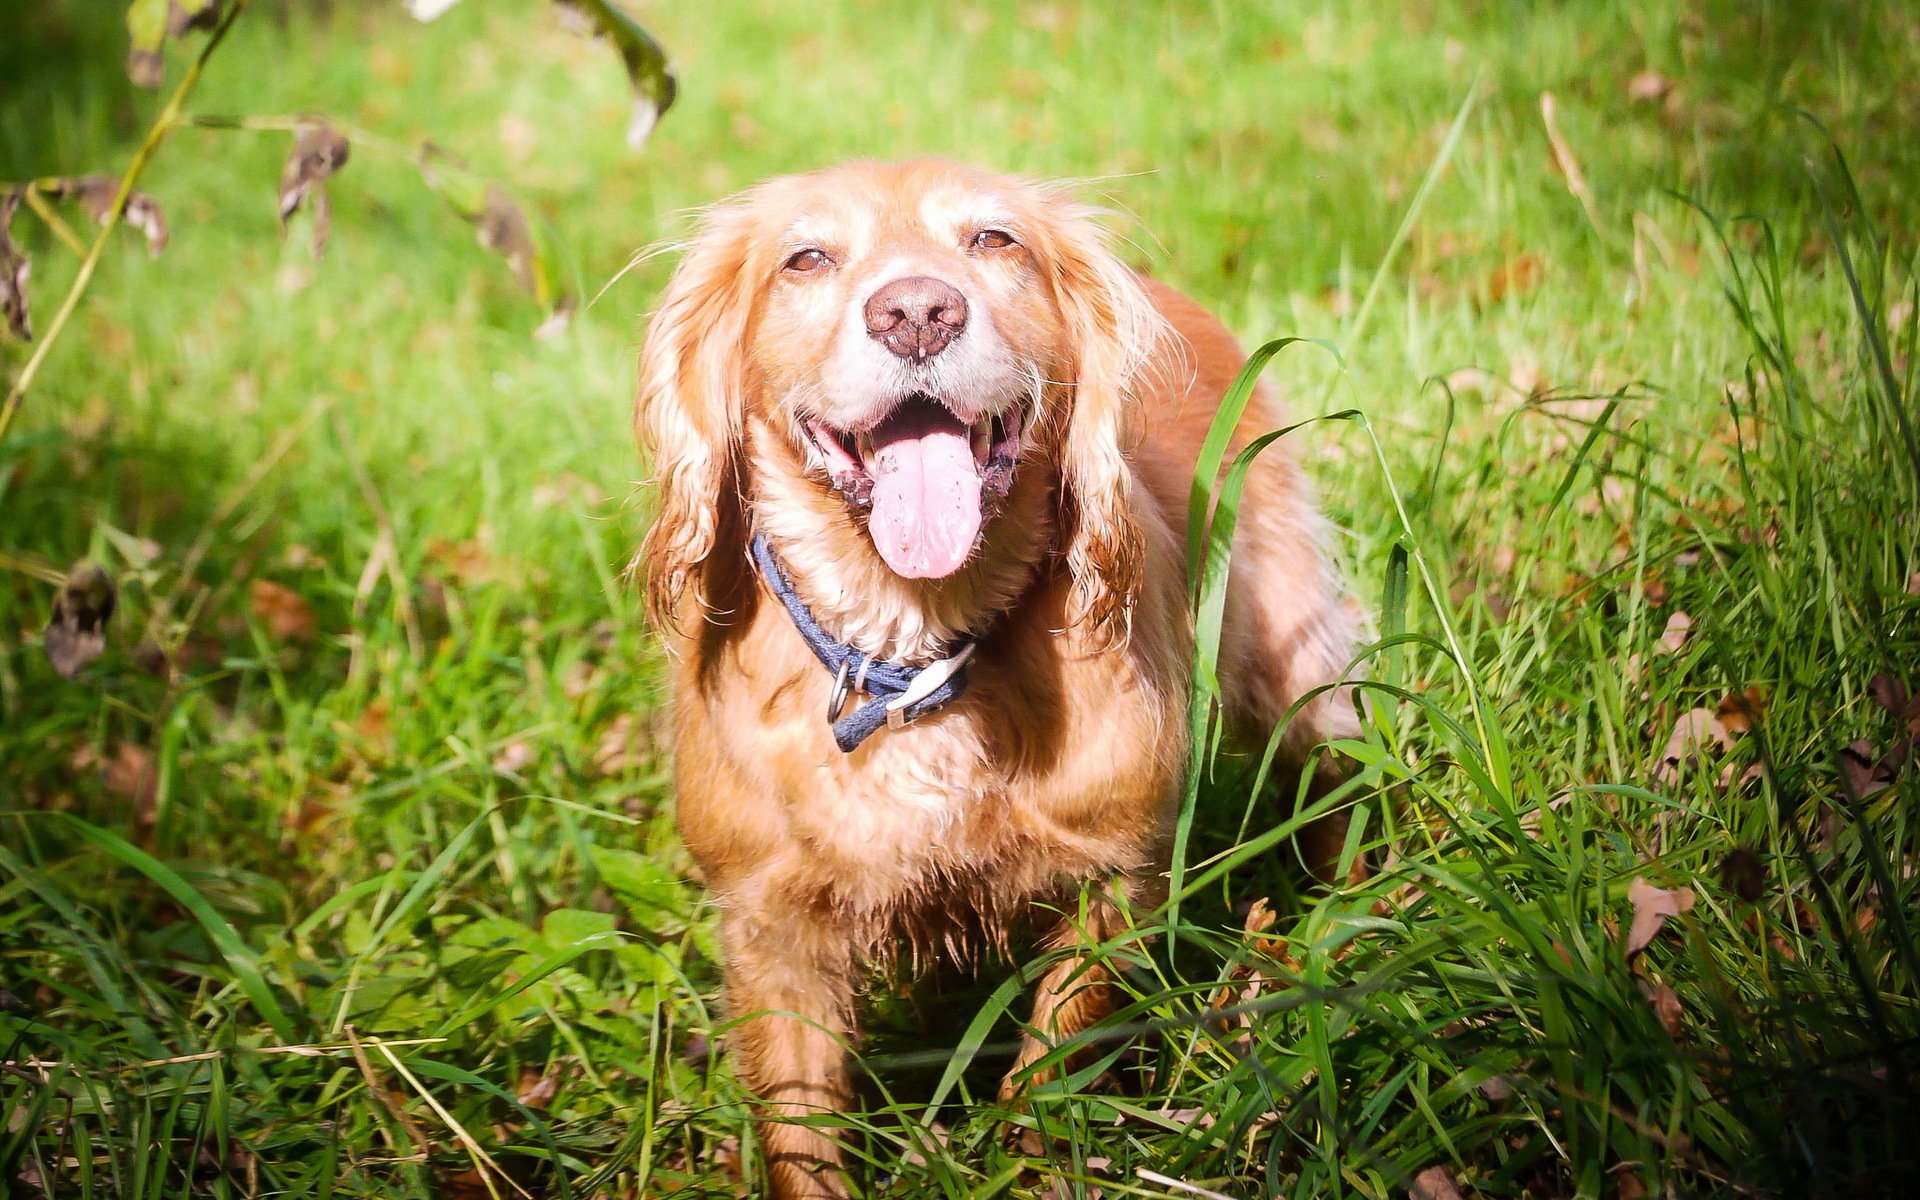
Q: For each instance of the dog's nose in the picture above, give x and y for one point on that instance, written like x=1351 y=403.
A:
x=916 y=317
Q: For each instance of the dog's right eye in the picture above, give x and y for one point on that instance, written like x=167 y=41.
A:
x=806 y=261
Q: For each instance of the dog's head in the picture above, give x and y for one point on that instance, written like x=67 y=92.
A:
x=919 y=334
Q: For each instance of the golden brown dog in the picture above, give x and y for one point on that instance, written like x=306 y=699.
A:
x=917 y=430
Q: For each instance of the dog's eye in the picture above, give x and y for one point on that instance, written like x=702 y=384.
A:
x=806 y=261
x=992 y=239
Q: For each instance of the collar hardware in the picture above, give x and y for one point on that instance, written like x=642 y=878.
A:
x=897 y=695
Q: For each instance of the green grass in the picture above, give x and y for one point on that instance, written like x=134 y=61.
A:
x=423 y=806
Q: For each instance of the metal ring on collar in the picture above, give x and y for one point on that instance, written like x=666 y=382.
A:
x=837 y=698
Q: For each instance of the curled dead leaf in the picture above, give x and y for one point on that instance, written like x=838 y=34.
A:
x=1651 y=908
x=14 y=269
x=151 y=22
x=319 y=151
x=97 y=194
x=76 y=631
x=1674 y=637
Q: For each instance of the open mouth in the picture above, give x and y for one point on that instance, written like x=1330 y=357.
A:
x=926 y=479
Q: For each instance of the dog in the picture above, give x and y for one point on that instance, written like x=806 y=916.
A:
x=923 y=447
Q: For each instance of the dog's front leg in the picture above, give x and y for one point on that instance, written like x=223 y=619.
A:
x=1074 y=993
x=791 y=982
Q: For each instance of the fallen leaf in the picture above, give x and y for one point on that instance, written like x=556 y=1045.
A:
x=1651 y=908
x=1744 y=873
x=132 y=776
x=625 y=746
x=1740 y=711
x=1674 y=637
x=1863 y=773
x=282 y=610
x=77 y=630
x=1434 y=1183
x=537 y=1090
x=652 y=77
x=1696 y=731
x=1512 y=277
x=1666 y=1006
x=513 y=758
x=1648 y=85
x=319 y=151
x=14 y=269
x=97 y=193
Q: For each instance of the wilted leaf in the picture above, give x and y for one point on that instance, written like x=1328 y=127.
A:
x=14 y=269
x=77 y=632
x=1434 y=1183
x=1674 y=637
x=96 y=194
x=502 y=226
x=654 y=85
x=1512 y=277
x=151 y=22
x=282 y=610
x=319 y=150
x=146 y=32
x=1695 y=731
x=1651 y=908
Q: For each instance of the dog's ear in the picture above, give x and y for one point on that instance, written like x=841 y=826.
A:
x=1112 y=331
x=690 y=410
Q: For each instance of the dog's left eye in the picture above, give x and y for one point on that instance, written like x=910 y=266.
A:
x=992 y=239
x=807 y=261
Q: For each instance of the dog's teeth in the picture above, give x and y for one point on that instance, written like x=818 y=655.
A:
x=863 y=445
x=983 y=438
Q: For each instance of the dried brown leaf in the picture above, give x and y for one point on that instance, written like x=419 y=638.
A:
x=282 y=610
x=1697 y=731
x=76 y=632
x=97 y=193
x=1744 y=873
x=1651 y=908
x=1666 y=1006
x=1740 y=711
x=537 y=1090
x=1434 y=1183
x=319 y=151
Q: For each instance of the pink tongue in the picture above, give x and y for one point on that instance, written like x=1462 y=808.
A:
x=926 y=492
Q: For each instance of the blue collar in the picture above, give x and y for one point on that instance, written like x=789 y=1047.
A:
x=896 y=694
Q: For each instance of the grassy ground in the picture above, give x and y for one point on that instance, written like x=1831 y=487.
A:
x=1634 y=500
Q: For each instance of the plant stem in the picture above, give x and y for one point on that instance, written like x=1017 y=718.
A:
x=161 y=126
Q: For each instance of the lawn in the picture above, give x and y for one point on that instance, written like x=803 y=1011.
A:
x=349 y=869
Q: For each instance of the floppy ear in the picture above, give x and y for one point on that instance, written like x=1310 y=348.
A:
x=689 y=412
x=1112 y=330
